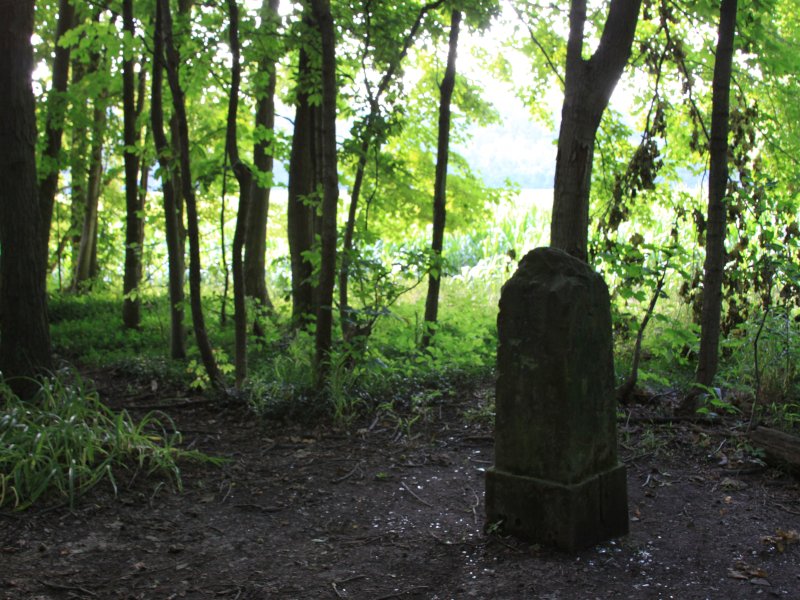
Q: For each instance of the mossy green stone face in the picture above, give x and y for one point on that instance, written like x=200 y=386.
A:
x=556 y=418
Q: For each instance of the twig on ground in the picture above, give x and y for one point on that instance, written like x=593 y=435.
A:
x=374 y=422
x=170 y=405
x=440 y=540
x=667 y=420
x=68 y=588
x=349 y=579
x=349 y=474
x=478 y=438
x=259 y=507
x=400 y=593
x=500 y=540
x=788 y=510
x=410 y=491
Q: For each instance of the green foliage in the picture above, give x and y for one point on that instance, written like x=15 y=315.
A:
x=280 y=387
x=89 y=329
x=647 y=206
x=779 y=357
x=713 y=403
x=198 y=377
x=65 y=441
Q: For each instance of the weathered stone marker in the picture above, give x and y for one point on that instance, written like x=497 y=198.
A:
x=556 y=479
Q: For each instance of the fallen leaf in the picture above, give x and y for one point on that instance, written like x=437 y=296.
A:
x=746 y=571
x=730 y=484
x=737 y=574
x=781 y=539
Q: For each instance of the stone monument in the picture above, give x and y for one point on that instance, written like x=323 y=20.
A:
x=556 y=479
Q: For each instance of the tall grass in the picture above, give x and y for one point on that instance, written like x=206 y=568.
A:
x=65 y=441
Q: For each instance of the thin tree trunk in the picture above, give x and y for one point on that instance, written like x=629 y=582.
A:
x=328 y=176
x=178 y=102
x=223 y=244
x=256 y=234
x=588 y=86
x=24 y=330
x=244 y=177
x=172 y=212
x=717 y=188
x=79 y=119
x=54 y=123
x=175 y=173
x=131 y=303
x=625 y=391
x=85 y=263
x=440 y=183
x=349 y=325
x=302 y=197
x=346 y=318
x=144 y=188
x=144 y=171
x=85 y=267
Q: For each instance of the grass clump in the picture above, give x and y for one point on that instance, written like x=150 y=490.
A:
x=65 y=441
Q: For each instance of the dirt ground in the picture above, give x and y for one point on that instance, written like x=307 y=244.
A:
x=378 y=512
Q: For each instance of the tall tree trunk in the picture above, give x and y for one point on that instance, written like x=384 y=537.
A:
x=24 y=330
x=588 y=86
x=302 y=196
x=79 y=149
x=717 y=188
x=328 y=176
x=144 y=170
x=179 y=106
x=256 y=234
x=223 y=244
x=54 y=122
x=175 y=173
x=172 y=213
x=244 y=177
x=348 y=326
x=86 y=265
x=134 y=219
x=440 y=182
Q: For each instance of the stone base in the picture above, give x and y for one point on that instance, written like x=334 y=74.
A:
x=567 y=517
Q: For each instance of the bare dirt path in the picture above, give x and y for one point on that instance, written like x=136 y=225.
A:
x=374 y=513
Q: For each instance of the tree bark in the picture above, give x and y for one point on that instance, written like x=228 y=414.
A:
x=179 y=106
x=588 y=86
x=716 y=226
x=54 y=122
x=328 y=176
x=134 y=219
x=440 y=183
x=79 y=119
x=302 y=199
x=86 y=265
x=24 y=330
x=256 y=234
x=172 y=212
x=244 y=178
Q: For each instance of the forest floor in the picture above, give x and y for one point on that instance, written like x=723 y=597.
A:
x=376 y=511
